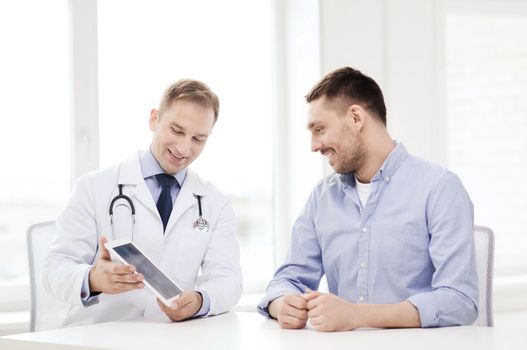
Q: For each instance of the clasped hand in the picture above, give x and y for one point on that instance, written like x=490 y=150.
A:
x=326 y=312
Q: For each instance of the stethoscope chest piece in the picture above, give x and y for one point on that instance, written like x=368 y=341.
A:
x=200 y=225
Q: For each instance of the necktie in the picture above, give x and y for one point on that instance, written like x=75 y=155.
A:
x=164 y=203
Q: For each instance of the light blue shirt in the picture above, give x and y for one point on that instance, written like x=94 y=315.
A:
x=149 y=169
x=413 y=240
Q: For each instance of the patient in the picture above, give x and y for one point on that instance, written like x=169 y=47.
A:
x=392 y=233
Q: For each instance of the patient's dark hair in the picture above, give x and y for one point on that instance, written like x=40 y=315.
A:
x=346 y=86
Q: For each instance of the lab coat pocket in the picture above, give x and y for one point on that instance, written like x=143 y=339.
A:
x=190 y=248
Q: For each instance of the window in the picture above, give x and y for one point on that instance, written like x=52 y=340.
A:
x=487 y=147
x=153 y=43
x=35 y=132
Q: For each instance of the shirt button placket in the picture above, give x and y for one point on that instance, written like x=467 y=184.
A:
x=362 y=280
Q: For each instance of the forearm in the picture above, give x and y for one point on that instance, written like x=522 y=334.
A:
x=401 y=315
x=445 y=307
x=63 y=279
x=223 y=293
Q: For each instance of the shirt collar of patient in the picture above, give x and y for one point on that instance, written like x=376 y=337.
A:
x=387 y=170
x=150 y=167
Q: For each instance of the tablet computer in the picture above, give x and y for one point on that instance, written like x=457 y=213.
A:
x=155 y=279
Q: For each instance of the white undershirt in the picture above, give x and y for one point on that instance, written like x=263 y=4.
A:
x=364 y=191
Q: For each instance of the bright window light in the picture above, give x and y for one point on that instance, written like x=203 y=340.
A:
x=487 y=147
x=145 y=45
x=35 y=131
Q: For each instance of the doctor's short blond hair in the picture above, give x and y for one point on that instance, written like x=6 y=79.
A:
x=193 y=91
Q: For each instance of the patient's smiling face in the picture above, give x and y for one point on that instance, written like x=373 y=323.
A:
x=335 y=135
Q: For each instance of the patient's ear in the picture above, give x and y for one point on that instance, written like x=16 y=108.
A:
x=356 y=116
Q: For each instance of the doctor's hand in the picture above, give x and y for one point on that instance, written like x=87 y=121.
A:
x=290 y=310
x=110 y=278
x=186 y=306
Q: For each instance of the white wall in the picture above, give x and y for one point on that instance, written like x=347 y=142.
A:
x=394 y=42
x=401 y=44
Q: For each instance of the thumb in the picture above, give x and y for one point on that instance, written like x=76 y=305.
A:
x=103 y=252
x=183 y=299
x=310 y=295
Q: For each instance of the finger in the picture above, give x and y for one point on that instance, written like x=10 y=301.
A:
x=291 y=311
x=292 y=322
x=319 y=323
x=185 y=311
x=125 y=287
x=163 y=307
x=120 y=269
x=313 y=304
x=180 y=304
x=296 y=301
x=313 y=313
x=127 y=278
x=315 y=321
x=176 y=315
x=103 y=252
x=311 y=296
x=184 y=299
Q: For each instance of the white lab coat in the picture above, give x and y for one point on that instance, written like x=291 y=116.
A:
x=207 y=261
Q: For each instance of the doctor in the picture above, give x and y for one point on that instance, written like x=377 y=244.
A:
x=168 y=199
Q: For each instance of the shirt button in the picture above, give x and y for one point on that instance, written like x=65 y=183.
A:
x=364 y=229
x=362 y=264
x=386 y=178
x=361 y=298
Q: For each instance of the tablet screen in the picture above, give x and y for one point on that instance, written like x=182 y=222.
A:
x=152 y=274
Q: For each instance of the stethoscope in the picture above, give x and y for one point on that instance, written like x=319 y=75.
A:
x=200 y=225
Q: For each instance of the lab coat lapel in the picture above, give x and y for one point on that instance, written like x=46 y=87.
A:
x=185 y=199
x=130 y=174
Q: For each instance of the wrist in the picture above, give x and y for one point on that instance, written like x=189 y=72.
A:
x=92 y=284
x=200 y=301
x=273 y=307
x=358 y=316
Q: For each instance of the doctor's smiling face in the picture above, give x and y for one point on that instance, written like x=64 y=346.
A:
x=180 y=131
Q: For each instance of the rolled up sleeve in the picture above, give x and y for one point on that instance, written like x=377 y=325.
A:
x=454 y=294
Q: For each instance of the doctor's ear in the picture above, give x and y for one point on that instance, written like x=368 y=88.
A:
x=154 y=118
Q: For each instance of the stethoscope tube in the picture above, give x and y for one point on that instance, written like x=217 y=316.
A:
x=200 y=225
x=126 y=198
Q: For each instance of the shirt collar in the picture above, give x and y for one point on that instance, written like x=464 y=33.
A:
x=388 y=168
x=150 y=167
x=392 y=163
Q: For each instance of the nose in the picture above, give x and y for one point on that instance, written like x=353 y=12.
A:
x=316 y=145
x=183 y=146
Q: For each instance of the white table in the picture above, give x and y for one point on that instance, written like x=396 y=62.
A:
x=248 y=330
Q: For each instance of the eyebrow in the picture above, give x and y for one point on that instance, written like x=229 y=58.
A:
x=183 y=129
x=312 y=125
